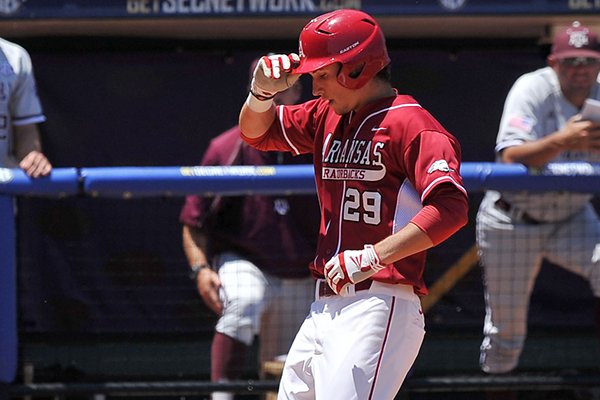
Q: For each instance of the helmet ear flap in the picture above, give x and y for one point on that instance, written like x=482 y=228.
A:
x=355 y=75
x=349 y=75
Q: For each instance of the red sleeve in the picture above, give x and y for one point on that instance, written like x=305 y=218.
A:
x=431 y=159
x=191 y=211
x=444 y=212
x=292 y=130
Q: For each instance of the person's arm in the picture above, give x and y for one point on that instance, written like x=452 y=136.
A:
x=445 y=212
x=28 y=151
x=254 y=124
x=574 y=135
x=404 y=243
x=207 y=280
x=273 y=74
x=353 y=266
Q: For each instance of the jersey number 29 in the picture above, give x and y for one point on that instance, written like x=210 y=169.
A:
x=367 y=205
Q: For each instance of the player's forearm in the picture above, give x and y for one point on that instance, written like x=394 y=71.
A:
x=534 y=154
x=445 y=212
x=193 y=246
x=404 y=243
x=27 y=139
x=254 y=124
x=28 y=151
x=576 y=135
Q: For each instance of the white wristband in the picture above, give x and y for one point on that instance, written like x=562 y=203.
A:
x=259 y=106
x=373 y=258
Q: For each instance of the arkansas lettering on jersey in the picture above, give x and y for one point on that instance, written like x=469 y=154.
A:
x=373 y=170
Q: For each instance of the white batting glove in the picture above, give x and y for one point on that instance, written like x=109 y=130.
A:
x=273 y=74
x=350 y=267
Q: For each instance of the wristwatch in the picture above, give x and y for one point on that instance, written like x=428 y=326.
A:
x=195 y=270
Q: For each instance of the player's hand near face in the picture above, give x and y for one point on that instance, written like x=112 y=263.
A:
x=273 y=74
x=351 y=266
x=35 y=164
x=209 y=286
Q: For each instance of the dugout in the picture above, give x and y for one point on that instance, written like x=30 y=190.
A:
x=139 y=90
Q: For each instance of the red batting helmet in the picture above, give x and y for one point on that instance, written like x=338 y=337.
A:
x=349 y=37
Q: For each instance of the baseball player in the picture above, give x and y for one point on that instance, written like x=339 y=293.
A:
x=388 y=182
x=20 y=112
x=249 y=258
x=517 y=230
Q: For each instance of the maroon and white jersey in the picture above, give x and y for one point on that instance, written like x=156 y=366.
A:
x=373 y=168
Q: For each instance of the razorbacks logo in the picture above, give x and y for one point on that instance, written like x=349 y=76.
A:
x=439 y=165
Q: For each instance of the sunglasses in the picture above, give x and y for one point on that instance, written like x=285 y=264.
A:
x=579 y=61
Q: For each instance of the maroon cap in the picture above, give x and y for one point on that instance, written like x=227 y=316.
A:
x=575 y=41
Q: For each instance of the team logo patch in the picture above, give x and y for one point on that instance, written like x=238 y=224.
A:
x=439 y=165
x=281 y=206
x=578 y=38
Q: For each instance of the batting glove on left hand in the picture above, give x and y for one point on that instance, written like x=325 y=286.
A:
x=350 y=267
x=273 y=74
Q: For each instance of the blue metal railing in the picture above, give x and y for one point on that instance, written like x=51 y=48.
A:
x=128 y=182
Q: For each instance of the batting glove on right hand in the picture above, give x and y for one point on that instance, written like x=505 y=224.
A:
x=273 y=74
x=350 y=267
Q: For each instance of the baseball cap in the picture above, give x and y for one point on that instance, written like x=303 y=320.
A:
x=575 y=41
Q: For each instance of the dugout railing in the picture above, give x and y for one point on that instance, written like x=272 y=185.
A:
x=142 y=182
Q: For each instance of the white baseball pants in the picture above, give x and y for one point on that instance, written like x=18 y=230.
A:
x=355 y=347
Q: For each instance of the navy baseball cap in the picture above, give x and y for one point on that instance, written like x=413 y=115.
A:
x=575 y=41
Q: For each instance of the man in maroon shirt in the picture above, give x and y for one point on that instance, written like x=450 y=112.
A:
x=249 y=257
x=389 y=188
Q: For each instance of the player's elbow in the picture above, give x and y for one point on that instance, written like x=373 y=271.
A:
x=444 y=213
x=462 y=217
x=454 y=212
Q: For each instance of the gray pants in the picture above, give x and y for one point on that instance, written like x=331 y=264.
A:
x=511 y=254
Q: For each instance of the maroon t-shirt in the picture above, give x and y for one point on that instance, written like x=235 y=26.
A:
x=277 y=233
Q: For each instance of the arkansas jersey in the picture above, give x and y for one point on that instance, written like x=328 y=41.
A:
x=374 y=168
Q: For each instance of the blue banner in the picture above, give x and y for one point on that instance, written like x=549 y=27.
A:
x=72 y=9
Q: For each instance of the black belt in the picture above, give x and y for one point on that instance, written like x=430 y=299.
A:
x=523 y=216
x=326 y=291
